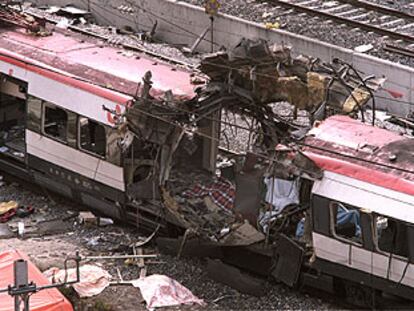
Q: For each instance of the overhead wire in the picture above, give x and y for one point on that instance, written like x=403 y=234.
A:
x=230 y=124
x=213 y=138
x=299 y=143
x=217 y=140
x=194 y=35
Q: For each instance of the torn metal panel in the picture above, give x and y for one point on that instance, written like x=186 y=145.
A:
x=264 y=75
x=242 y=235
x=288 y=257
x=17 y=18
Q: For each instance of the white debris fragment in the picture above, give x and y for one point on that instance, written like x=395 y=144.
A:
x=364 y=48
x=93 y=279
x=64 y=23
x=161 y=291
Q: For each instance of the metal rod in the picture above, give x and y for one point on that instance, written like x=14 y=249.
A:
x=353 y=23
x=212 y=33
x=119 y=257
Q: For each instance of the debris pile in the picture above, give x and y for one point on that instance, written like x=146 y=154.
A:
x=259 y=75
x=12 y=17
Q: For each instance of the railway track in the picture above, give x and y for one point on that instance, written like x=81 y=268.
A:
x=397 y=27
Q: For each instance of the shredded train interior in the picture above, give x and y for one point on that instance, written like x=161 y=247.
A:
x=12 y=118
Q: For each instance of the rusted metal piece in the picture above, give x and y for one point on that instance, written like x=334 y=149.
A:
x=258 y=76
x=12 y=17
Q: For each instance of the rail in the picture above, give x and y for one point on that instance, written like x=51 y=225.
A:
x=359 y=13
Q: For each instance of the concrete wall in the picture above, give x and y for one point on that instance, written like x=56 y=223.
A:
x=180 y=23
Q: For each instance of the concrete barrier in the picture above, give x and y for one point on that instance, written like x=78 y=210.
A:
x=180 y=24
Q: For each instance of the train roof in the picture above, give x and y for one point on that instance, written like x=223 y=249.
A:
x=349 y=147
x=91 y=61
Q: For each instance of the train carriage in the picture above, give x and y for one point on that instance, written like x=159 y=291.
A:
x=368 y=171
x=60 y=99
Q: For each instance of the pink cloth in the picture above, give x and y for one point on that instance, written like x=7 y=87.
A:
x=93 y=279
x=162 y=291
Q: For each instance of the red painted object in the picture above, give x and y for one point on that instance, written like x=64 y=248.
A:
x=349 y=147
x=46 y=300
x=89 y=64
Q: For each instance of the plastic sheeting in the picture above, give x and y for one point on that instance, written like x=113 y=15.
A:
x=162 y=291
x=93 y=279
x=46 y=300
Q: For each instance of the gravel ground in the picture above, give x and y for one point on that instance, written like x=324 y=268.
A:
x=117 y=39
x=401 y=5
x=344 y=36
x=48 y=251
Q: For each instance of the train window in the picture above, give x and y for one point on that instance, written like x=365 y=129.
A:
x=55 y=122
x=346 y=222
x=113 y=151
x=391 y=235
x=34 y=114
x=92 y=136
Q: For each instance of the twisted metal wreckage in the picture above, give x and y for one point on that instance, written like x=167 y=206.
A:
x=246 y=81
x=148 y=154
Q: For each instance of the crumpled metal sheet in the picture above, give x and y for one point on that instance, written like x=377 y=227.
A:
x=264 y=75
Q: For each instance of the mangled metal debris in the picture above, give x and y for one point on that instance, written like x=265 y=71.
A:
x=10 y=16
x=152 y=140
x=259 y=75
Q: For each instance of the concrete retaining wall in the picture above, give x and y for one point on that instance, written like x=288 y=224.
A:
x=180 y=23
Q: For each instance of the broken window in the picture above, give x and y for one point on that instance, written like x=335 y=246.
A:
x=34 y=114
x=92 y=136
x=345 y=220
x=12 y=117
x=113 y=151
x=391 y=235
x=55 y=122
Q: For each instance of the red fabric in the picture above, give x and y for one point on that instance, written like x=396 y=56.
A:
x=46 y=300
x=221 y=192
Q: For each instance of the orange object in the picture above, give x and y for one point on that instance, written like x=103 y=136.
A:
x=45 y=300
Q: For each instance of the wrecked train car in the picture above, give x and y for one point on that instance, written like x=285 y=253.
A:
x=361 y=210
x=63 y=99
x=128 y=136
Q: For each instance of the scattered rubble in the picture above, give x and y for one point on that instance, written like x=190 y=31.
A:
x=48 y=251
x=256 y=205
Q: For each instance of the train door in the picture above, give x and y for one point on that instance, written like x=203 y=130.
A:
x=13 y=119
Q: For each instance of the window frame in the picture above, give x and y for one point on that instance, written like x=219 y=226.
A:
x=78 y=144
x=376 y=241
x=30 y=124
x=332 y=225
x=45 y=104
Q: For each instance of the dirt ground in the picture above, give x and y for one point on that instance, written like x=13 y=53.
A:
x=54 y=232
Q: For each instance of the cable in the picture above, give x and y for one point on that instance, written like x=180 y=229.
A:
x=225 y=66
x=196 y=35
x=268 y=158
x=213 y=138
